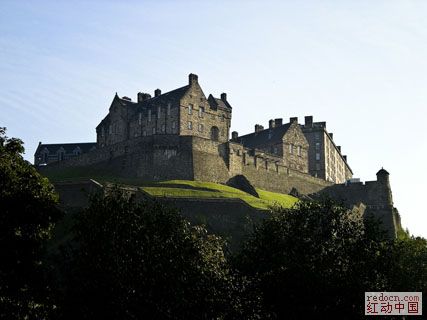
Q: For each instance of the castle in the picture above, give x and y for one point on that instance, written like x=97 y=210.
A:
x=182 y=134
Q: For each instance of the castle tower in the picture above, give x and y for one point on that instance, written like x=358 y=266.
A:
x=383 y=179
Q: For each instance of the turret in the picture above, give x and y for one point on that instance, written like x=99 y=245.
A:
x=384 y=182
x=383 y=176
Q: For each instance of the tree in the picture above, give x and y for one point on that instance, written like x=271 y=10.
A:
x=143 y=260
x=314 y=260
x=28 y=213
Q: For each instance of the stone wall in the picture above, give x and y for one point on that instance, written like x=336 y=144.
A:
x=376 y=195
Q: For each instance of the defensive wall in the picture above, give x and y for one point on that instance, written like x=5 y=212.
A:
x=167 y=157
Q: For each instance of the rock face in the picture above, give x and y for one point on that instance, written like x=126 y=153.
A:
x=240 y=182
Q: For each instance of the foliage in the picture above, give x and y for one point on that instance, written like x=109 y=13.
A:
x=144 y=260
x=27 y=215
x=315 y=260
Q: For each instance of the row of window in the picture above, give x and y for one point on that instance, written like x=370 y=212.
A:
x=201 y=111
x=201 y=128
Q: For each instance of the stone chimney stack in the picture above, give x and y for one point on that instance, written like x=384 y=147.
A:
x=192 y=78
x=223 y=96
x=339 y=148
x=271 y=124
x=157 y=92
x=331 y=135
x=143 y=96
x=234 y=135
x=308 y=121
x=293 y=119
x=345 y=158
x=258 y=128
x=278 y=122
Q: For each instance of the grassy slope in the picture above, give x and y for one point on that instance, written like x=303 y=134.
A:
x=184 y=188
x=179 y=188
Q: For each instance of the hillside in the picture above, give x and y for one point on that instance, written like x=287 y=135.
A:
x=179 y=188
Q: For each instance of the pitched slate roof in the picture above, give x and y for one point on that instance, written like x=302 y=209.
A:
x=218 y=103
x=173 y=97
x=267 y=136
x=68 y=147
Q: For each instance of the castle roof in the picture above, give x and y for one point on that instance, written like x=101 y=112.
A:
x=383 y=172
x=260 y=138
x=173 y=97
x=68 y=147
x=218 y=103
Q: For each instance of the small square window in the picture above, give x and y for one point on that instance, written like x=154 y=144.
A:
x=169 y=109
x=317 y=156
x=201 y=111
x=190 y=125
x=154 y=130
x=190 y=109
x=201 y=127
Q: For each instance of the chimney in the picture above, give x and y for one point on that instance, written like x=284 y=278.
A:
x=293 y=119
x=192 y=78
x=308 y=121
x=331 y=135
x=143 y=96
x=234 y=135
x=278 y=122
x=339 y=148
x=223 y=96
x=157 y=92
x=345 y=158
x=271 y=124
x=126 y=98
x=258 y=128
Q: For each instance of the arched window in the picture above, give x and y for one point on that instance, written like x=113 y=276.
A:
x=214 y=133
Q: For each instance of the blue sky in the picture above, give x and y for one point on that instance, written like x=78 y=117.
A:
x=359 y=65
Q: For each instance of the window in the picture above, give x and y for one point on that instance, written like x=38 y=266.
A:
x=317 y=145
x=163 y=128
x=158 y=112
x=291 y=148
x=190 y=125
x=144 y=133
x=169 y=109
x=149 y=115
x=317 y=166
x=173 y=124
x=110 y=129
x=201 y=127
x=299 y=150
x=201 y=111
x=140 y=118
x=317 y=156
x=190 y=109
x=317 y=135
x=275 y=150
x=154 y=130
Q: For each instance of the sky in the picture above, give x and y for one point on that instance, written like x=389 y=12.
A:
x=358 y=65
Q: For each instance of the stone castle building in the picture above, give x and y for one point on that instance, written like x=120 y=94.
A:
x=187 y=112
x=184 y=134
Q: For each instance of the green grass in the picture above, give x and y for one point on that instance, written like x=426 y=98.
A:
x=199 y=189
x=176 y=188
